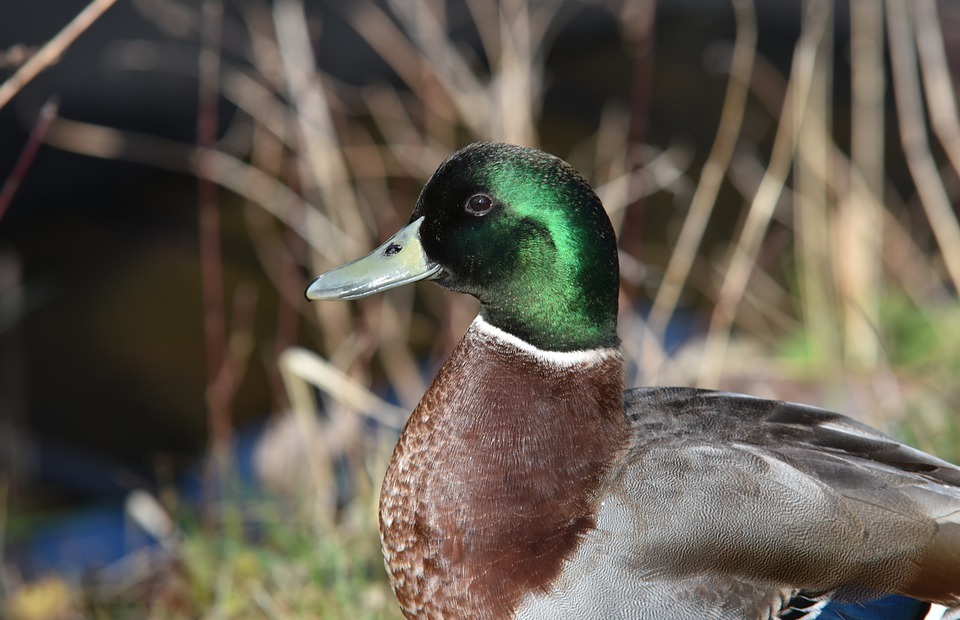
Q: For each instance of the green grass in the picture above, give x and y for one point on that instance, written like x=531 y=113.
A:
x=266 y=558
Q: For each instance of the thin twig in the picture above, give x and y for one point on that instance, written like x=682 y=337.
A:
x=913 y=136
x=301 y=366
x=701 y=206
x=48 y=112
x=322 y=170
x=401 y=55
x=222 y=168
x=516 y=86
x=211 y=261
x=53 y=49
x=452 y=71
x=901 y=254
x=325 y=170
x=860 y=224
x=812 y=210
x=5 y=482
x=744 y=252
x=937 y=80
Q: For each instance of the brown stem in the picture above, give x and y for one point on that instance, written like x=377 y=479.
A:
x=46 y=117
x=211 y=265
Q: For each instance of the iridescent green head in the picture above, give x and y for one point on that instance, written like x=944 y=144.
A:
x=518 y=229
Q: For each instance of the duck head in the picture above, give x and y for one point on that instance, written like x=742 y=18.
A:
x=518 y=229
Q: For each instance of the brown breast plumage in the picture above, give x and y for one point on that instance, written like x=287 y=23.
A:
x=492 y=483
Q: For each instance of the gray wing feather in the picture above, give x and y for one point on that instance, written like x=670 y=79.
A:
x=728 y=507
x=781 y=493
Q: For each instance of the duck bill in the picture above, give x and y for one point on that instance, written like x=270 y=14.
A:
x=400 y=260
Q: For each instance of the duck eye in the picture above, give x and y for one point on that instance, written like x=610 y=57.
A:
x=479 y=204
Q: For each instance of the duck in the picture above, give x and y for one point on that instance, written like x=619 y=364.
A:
x=528 y=484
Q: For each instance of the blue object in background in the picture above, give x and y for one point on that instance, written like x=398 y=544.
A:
x=98 y=533
x=889 y=608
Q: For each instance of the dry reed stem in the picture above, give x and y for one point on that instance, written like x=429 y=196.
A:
x=290 y=364
x=812 y=212
x=416 y=152
x=913 y=137
x=271 y=247
x=301 y=367
x=226 y=170
x=517 y=85
x=859 y=240
x=901 y=255
x=220 y=389
x=437 y=53
x=262 y=104
x=399 y=52
x=663 y=170
x=905 y=261
x=326 y=171
x=53 y=49
x=744 y=251
x=422 y=54
x=612 y=179
x=714 y=170
x=923 y=280
x=937 y=80
x=238 y=347
x=485 y=15
x=393 y=333
x=274 y=197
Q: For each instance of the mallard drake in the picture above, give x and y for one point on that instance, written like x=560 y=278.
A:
x=528 y=484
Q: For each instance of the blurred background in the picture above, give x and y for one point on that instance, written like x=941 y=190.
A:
x=183 y=436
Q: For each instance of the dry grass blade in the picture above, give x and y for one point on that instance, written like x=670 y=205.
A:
x=436 y=52
x=812 y=201
x=859 y=236
x=225 y=169
x=256 y=99
x=327 y=171
x=220 y=389
x=301 y=367
x=400 y=53
x=518 y=83
x=937 y=80
x=53 y=49
x=913 y=136
x=701 y=206
x=902 y=255
x=744 y=252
